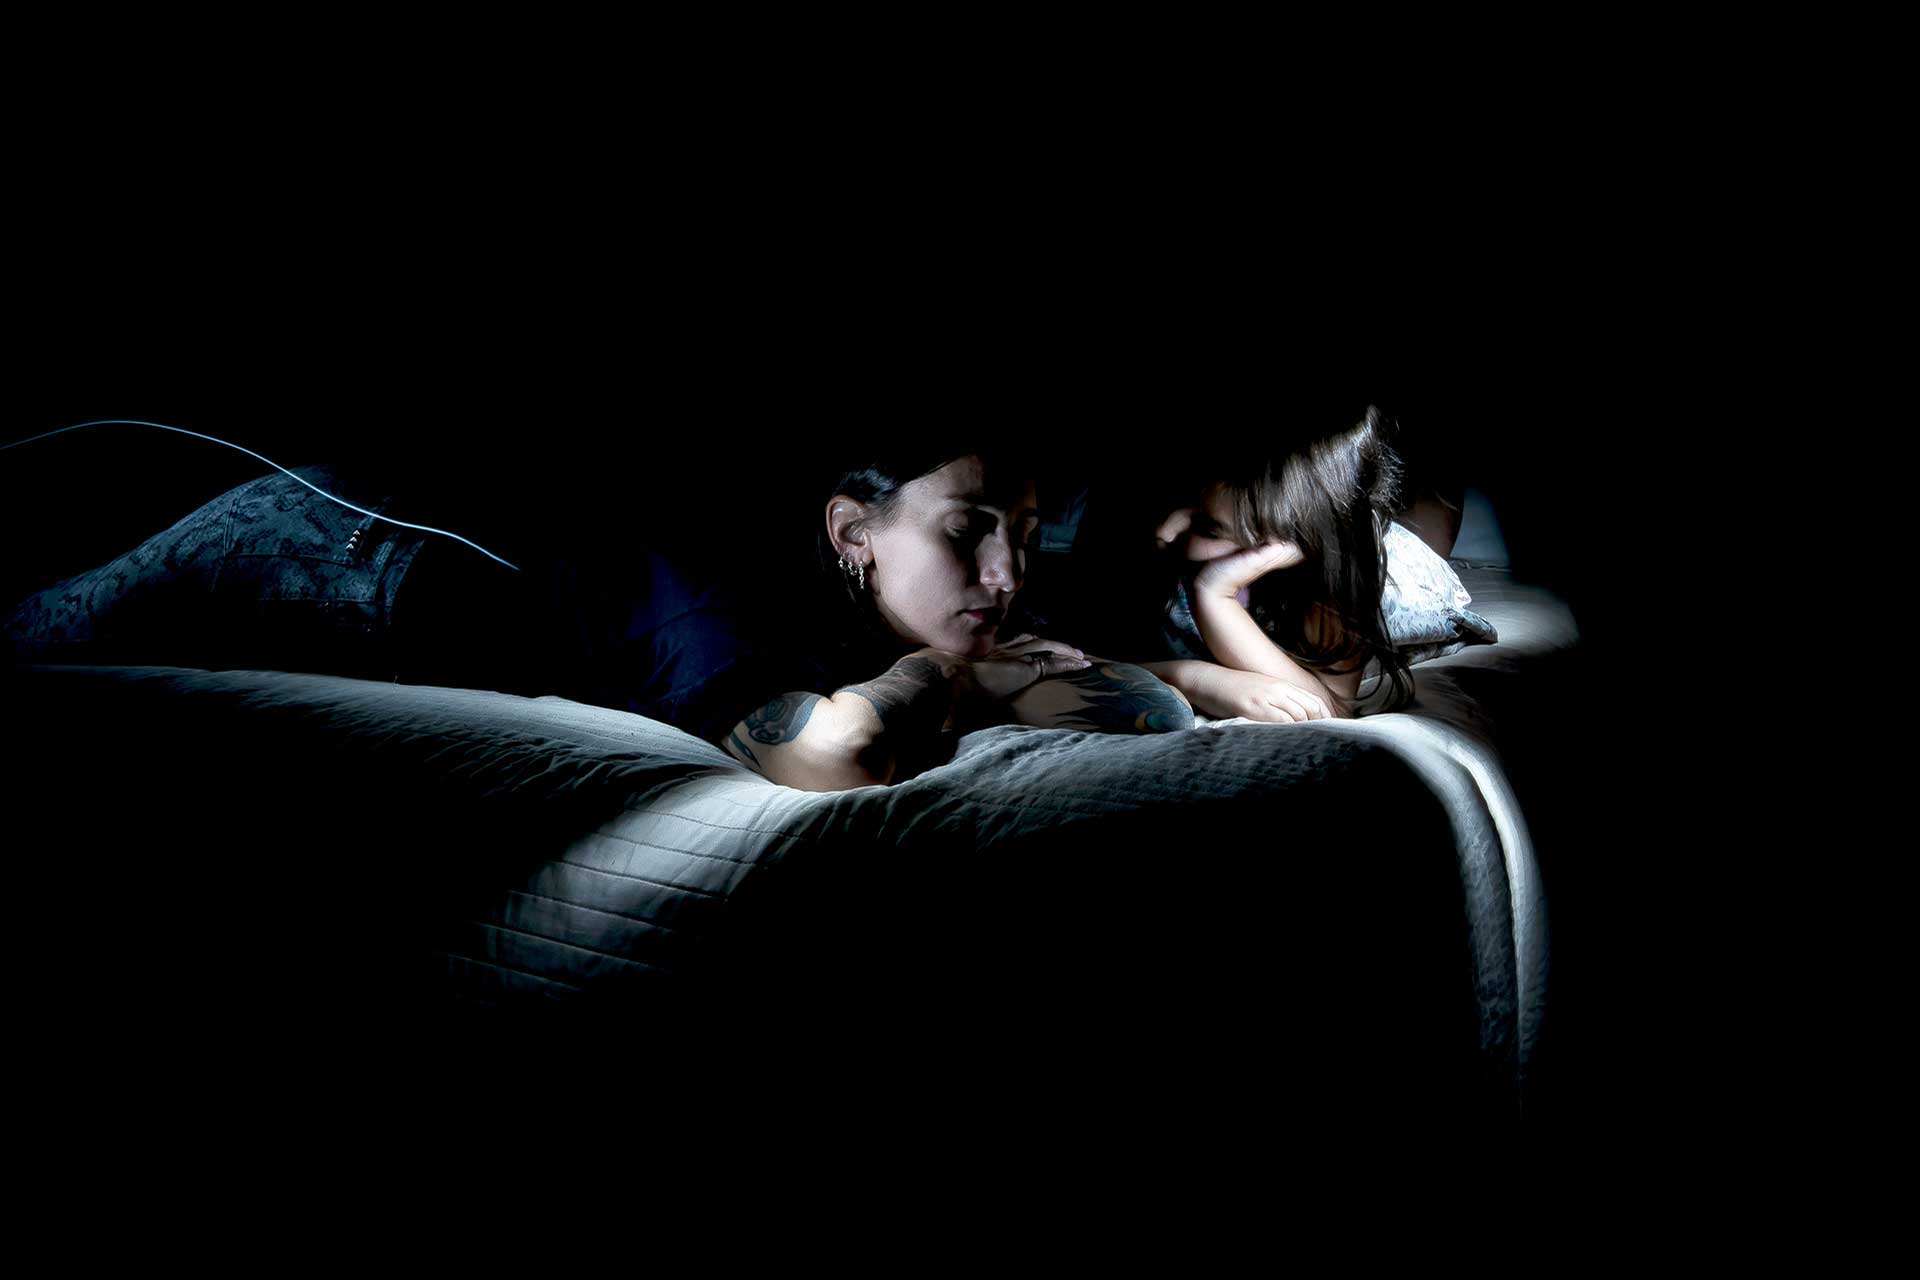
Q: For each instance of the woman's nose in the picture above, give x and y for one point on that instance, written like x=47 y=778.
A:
x=1176 y=523
x=999 y=566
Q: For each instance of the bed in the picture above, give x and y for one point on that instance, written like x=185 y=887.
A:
x=280 y=849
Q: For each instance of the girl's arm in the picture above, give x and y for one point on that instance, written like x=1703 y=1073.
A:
x=1232 y=636
x=1236 y=639
x=1223 y=693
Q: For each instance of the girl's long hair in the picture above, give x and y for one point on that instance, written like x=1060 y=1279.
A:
x=1333 y=495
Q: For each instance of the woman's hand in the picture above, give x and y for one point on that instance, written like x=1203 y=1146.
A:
x=1229 y=575
x=1018 y=662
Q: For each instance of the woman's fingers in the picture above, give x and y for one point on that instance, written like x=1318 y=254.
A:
x=1043 y=663
x=1003 y=675
x=1031 y=644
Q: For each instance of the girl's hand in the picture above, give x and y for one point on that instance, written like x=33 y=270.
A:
x=1229 y=575
x=1018 y=662
x=1227 y=693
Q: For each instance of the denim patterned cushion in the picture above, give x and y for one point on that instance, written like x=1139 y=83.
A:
x=271 y=574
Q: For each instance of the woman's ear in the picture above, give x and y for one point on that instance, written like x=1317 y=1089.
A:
x=847 y=527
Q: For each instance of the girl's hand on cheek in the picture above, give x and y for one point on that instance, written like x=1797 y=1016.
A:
x=1231 y=574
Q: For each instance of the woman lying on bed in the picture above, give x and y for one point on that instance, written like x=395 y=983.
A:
x=908 y=641
x=930 y=554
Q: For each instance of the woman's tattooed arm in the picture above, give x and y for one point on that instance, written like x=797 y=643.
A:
x=916 y=695
x=881 y=731
x=917 y=703
x=780 y=721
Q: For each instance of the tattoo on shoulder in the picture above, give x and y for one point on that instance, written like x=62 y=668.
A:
x=780 y=720
x=900 y=694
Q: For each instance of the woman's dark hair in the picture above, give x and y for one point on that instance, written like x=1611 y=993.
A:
x=1334 y=496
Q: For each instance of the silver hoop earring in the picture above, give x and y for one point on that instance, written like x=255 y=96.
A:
x=857 y=571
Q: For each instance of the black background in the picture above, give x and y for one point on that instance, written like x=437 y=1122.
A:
x=672 y=362
x=700 y=408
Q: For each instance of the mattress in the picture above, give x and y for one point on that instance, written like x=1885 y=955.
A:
x=253 y=841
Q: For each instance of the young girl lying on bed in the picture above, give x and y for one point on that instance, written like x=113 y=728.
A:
x=1270 y=585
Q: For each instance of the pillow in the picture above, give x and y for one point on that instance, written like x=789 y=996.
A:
x=1424 y=604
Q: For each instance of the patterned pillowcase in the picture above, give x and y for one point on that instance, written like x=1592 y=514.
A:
x=1424 y=603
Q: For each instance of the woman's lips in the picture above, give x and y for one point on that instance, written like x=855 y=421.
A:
x=984 y=616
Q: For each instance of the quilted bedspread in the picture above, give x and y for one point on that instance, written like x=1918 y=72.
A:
x=244 y=842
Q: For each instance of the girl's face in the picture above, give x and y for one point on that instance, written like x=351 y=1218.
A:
x=1200 y=533
x=945 y=569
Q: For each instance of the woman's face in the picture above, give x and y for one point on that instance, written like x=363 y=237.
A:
x=1200 y=533
x=947 y=565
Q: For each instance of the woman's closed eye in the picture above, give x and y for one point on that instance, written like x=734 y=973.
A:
x=982 y=526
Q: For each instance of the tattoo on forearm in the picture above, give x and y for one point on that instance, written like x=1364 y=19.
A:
x=1118 y=697
x=782 y=719
x=918 y=707
x=913 y=694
